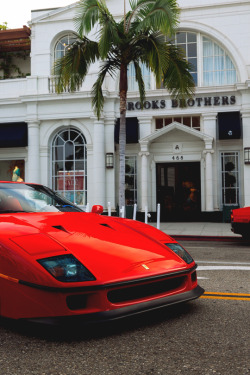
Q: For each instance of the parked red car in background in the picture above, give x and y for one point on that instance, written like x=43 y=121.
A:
x=240 y=222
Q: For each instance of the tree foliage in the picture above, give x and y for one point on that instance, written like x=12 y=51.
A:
x=142 y=36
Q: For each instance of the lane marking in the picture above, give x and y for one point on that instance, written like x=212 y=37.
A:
x=215 y=268
x=220 y=262
x=202 y=278
x=226 y=296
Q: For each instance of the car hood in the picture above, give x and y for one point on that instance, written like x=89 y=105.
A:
x=111 y=248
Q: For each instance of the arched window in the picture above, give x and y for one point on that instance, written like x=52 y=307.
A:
x=218 y=68
x=63 y=44
x=69 y=165
x=211 y=64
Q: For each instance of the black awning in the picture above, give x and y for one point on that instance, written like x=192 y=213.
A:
x=229 y=125
x=13 y=134
x=132 y=130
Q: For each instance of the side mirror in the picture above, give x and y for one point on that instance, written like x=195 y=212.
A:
x=97 y=209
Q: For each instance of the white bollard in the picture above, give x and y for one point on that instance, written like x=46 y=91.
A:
x=134 y=211
x=122 y=212
x=109 y=209
x=158 y=215
x=146 y=214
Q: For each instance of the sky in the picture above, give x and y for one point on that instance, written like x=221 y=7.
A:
x=18 y=12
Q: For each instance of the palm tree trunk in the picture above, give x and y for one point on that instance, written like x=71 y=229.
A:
x=122 y=133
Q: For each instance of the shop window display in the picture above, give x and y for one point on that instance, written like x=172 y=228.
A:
x=69 y=166
x=12 y=170
x=230 y=178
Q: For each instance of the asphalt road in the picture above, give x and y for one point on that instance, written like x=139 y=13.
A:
x=207 y=336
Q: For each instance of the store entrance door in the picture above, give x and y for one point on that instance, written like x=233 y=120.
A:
x=178 y=191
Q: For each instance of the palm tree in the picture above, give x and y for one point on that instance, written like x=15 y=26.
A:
x=142 y=36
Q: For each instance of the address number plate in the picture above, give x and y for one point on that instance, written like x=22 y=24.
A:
x=178 y=157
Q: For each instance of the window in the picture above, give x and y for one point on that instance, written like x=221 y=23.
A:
x=230 y=178
x=130 y=180
x=132 y=84
x=69 y=165
x=211 y=65
x=63 y=44
x=218 y=68
x=191 y=121
x=188 y=41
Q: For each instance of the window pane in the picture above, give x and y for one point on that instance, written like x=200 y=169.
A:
x=187 y=121
x=229 y=63
x=59 y=153
x=178 y=119
x=69 y=151
x=191 y=37
x=193 y=62
x=218 y=50
x=191 y=51
x=79 y=165
x=196 y=122
x=195 y=78
x=158 y=123
x=79 y=152
x=219 y=62
x=183 y=47
x=180 y=38
x=130 y=180
x=168 y=121
x=208 y=64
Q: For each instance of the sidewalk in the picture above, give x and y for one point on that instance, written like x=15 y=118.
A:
x=222 y=230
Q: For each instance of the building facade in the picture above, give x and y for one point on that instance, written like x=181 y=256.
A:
x=193 y=160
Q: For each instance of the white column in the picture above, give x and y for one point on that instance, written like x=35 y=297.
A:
x=144 y=179
x=246 y=143
x=99 y=163
x=44 y=163
x=110 y=172
x=145 y=126
x=209 y=180
x=209 y=124
x=33 y=152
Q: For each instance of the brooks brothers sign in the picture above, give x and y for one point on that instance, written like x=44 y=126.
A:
x=194 y=102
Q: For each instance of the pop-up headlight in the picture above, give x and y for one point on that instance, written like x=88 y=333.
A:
x=66 y=268
x=180 y=251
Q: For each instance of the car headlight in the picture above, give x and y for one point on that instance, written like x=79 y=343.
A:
x=66 y=268
x=179 y=250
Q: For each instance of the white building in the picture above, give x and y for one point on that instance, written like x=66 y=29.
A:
x=194 y=161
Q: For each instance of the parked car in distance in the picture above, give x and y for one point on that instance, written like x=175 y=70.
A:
x=240 y=222
x=59 y=263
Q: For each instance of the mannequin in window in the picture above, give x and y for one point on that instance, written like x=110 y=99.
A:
x=16 y=175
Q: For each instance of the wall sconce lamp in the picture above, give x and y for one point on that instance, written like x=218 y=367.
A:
x=247 y=155
x=109 y=160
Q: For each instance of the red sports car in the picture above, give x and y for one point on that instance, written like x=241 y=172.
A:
x=58 y=262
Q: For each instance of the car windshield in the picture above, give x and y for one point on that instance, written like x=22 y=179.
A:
x=23 y=197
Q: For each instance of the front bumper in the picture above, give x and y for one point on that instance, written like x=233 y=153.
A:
x=123 y=312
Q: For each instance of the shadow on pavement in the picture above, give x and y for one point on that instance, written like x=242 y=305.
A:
x=81 y=332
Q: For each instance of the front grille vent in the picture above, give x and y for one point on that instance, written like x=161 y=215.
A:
x=145 y=290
